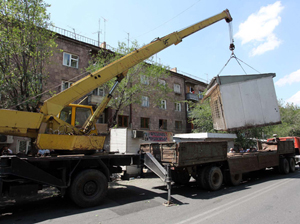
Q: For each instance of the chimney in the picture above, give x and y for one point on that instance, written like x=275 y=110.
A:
x=173 y=69
x=103 y=45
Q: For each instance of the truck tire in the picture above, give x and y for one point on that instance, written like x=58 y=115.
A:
x=181 y=177
x=213 y=178
x=284 y=167
x=232 y=180
x=88 y=188
x=292 y=164
x=236 y=179
x=201 y=178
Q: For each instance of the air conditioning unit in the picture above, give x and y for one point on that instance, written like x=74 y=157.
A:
x=137 y=134
x=6 y=139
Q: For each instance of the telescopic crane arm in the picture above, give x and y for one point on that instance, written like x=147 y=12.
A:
x=82 y=87
x=51 y=132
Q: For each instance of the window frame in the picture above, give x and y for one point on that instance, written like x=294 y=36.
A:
x=175 y=90
x=179 y=109
x=144 y=80
x=146 y=101
x=163 y=104
x=123 y=121
x=178 y=128
x=101 y=119
x=70 y=60
x=63 y=85
x=162 y=82
x=145 y=121
x=164 y=125
x=98 y=90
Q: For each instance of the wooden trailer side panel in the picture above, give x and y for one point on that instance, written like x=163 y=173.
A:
x=192 y=153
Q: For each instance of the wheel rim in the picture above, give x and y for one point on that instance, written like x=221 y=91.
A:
x=90 y=188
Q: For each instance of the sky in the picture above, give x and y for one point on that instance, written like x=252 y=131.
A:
x=266 y=34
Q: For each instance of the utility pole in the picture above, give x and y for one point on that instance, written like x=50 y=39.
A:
x=104 y=26
x=99 y=32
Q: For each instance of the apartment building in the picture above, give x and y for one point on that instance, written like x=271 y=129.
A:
x=68 y=65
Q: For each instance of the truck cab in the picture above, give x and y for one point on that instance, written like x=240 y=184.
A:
x=296 y=141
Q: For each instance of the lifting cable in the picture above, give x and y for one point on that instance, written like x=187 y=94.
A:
x=231 y=48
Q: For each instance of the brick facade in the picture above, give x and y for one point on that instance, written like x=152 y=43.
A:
x=59 y=72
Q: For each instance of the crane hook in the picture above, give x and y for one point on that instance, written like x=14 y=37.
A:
x=232 y=47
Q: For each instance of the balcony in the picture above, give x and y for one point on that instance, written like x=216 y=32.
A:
x=189 y=114
x=94 y=99
x=192 y=97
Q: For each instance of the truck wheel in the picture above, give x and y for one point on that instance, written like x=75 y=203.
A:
x=292 y=164
x=201 y=178
x=88 y=188
x=284 y=167
x=214 y=178
x=181 y=177
x=236 y=179
x=233 y=180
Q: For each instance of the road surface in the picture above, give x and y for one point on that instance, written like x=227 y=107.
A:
x=262 y=198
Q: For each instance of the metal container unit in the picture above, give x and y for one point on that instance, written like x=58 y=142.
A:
x=243 y=101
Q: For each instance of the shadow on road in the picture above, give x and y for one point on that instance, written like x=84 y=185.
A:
x=193 y=190
x=121 y=199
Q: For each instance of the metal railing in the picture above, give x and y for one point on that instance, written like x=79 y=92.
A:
x=78 y=37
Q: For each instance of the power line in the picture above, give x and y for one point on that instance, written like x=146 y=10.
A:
x=169 y=19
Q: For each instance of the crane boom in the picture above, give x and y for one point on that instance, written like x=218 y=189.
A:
x=82 y=87
x=52 y=132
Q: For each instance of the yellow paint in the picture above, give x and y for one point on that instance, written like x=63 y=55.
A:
x=70 y=142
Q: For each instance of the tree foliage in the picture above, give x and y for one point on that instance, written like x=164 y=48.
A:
x=131 y=89
x=290 y=118
x=25 y=47
x=201 y=117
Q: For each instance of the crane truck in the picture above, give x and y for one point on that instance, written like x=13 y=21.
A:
x=84 y=177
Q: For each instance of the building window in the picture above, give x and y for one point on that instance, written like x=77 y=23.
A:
x=177 y=106
x=178 y=125
x=101 y=119
x=176 y=88
x=99 y=91
x=65 y=85
x=163 y=104
x=70 y=60
x=163 y=124
x=162 y=82
x=122 y=121
x=145 y=122
x=144 y=80
x=192 y=90
x=145 y=101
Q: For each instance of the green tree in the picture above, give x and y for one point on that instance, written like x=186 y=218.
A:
x=25 y=47
x=141 y=80
x=201 y=117
x=290 y=118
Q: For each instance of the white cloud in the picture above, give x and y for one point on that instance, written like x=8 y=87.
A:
x=259 y=27
x=289 y=79
x=295 y=99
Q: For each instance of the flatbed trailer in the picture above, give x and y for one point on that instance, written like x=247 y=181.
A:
x=211 y=165
x=82 y=177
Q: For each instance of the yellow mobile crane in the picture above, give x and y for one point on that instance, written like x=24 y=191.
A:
x=85 y=177
x=45 y=125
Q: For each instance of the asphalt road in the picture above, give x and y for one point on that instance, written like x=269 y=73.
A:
x=262 y=198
